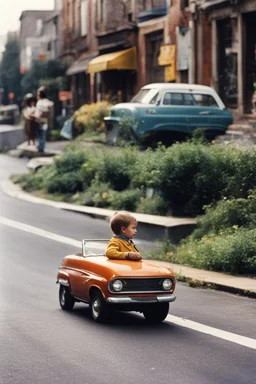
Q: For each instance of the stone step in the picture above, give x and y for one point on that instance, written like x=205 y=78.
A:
x=243 y=128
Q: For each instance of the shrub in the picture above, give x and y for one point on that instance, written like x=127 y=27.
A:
x=126 y=134
x=127 y=200
x=90 y=117
x=153 y=206
x=227 y=214
x=98 y=195
x=69 y=183
x=232 y=253
x=115 y=168
x=70 y=161
x=89 y=170
x=165 y=251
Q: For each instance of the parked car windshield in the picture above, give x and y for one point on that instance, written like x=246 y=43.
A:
x=146 y=96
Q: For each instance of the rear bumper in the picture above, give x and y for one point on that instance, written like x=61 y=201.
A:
x=141 y=300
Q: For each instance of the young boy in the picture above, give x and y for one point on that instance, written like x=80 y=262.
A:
x=121 y=247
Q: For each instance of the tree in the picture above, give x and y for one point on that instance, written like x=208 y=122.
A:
x=10 y=78
x=40 y=72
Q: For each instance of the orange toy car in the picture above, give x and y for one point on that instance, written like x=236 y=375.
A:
x=109 y=285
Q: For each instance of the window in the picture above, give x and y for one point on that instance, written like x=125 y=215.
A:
x=39 y=27
x=153 y=100
x=84 y=17
x=146 y=96
x=173 y=99
x=205 y=100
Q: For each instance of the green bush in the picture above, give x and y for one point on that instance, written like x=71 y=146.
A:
x=89 y=170
x=152 y=206
x=69 y=183
x=126 y=134
x=232 y=253
x=90 y=117
x=70 y=161
x=127 y=200
x=115 y=168
x=98 y=195
x=226 y=214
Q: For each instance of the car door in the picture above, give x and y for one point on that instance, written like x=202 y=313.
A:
x=205 y=113
x=171 y=113
x=79 y=276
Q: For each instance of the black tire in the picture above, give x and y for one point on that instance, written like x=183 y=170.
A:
x=100 y=309
x=66 y=300
x=156 y=313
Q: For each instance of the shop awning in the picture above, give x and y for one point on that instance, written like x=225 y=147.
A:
x=79 y=66
x=115 y=60
x=211 y=3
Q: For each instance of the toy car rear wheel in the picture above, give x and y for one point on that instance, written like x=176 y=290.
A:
x=156 y=313
x=100 y=309
x=66 y=300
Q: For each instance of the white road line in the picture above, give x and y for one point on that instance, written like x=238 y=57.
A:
x=228 y=336
x=46 y=234
x=232 y=337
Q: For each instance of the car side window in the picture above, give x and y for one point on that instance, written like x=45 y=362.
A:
x=173 y=99
x=154 y=99
x=205 y=100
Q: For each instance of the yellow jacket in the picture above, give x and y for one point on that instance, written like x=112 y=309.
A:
x=117 y=248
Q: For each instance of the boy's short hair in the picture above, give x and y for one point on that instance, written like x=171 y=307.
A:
x=119 y=220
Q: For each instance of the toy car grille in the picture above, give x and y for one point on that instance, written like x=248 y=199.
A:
x=142 y=285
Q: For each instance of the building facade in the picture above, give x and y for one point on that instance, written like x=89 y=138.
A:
x=39 y=37
x=79 y=47
x=226 y=33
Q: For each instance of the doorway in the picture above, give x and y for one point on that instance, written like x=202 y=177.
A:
x=250 y=60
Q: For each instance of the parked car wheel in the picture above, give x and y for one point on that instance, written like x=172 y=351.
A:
x=66 y=300
x=156 y=313
x=100 y=310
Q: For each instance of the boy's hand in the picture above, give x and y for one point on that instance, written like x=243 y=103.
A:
x=135 y=256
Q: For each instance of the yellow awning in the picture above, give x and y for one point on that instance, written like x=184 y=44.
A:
x=116 y=60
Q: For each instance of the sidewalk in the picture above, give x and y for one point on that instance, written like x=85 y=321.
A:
x=195 y=277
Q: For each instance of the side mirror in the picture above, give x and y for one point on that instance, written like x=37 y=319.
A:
x=157 y=103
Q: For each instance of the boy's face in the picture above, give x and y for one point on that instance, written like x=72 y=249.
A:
x=131 y=230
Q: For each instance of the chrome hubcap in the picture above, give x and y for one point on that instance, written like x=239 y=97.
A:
x=96 y=307
x=63 y=296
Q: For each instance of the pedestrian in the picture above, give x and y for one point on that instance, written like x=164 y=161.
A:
x=30 y=122
x=43 y=108
x=121 y=246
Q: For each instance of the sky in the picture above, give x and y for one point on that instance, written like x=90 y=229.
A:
x=10 y=11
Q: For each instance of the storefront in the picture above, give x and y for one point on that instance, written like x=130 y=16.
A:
x=116 y=73
x=80 y=81
x=233 y=51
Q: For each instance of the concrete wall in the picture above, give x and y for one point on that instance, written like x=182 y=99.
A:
x=10 y=137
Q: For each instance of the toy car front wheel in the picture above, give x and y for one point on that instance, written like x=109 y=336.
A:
x=66 y=300
x=156 y=313
x=100 y=309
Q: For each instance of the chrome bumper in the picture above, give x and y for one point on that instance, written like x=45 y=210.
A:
x=141 y=300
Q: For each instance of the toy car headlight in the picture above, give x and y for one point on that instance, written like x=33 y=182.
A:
x=167 y=284
x=117 y=285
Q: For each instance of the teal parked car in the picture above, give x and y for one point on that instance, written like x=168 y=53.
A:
x=164 y=111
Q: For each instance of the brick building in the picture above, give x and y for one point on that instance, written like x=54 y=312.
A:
x=79 y=46
x=224 y=48
x=113 y=47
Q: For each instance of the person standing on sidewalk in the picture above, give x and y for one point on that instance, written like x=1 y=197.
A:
x=42 y=112
x=30 y=123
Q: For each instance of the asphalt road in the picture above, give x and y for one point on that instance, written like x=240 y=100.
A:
x=39 y=343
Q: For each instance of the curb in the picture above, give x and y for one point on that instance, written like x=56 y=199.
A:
x=195 y=283
x=152 y=227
